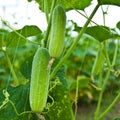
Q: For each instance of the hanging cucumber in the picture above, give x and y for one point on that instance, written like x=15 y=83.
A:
x=57 y=31
x=40 y=76
x=98 y=62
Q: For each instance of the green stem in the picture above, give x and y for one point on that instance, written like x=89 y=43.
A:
x=74 y=43
x=76 y=98
x=115 y=53
x=11 y=68
x=19 y=114
x=103 y=16
x=100 y=79
x=101 y=94
x=49 y=24
x=46 y=6
x=109 y=107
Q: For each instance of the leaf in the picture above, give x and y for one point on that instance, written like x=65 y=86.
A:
x=26 y=67
x=109 y=2
x=19 y=96
x=14 y=39
x=118 y=25
x=100 y=33
x=67 y=4
x=3 y=34
x=60 y=73
x=62 y=108
x=116 y=118
x=83 y=82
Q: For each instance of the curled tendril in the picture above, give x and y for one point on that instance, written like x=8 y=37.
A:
x=6 y=94
x=54 y=84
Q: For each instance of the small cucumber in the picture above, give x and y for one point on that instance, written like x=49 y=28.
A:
x=40 y=76
x=98 y=64
x=57 y=31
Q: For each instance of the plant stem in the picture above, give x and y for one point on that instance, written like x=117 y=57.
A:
x=49 y=24
x=104 y=84
x=11 y=68
x=46 y=6
x=115 y=53
x=76 y=98
x=100 y=95
x=74 y=43
x=109 y=107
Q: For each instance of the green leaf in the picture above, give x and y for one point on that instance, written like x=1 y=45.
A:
x=15 y=39
x=62 y=108
x=67 y=4
x=118 y=25
x=83 y=82
x=19 y=96
x=109 y=2
x=60 y=73
x=26 y=67
x=3 y=34
x=100 y=33
x=116 y=118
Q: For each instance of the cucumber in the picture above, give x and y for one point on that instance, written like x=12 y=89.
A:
x=98 y=64
x=57 y=32
x=40 y=76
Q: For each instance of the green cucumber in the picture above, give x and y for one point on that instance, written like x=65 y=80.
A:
x=40 y=76
x=57 y=32
x=98 y=64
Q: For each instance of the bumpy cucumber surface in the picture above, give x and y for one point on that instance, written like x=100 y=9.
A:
x=40 y=76
x=57 y=31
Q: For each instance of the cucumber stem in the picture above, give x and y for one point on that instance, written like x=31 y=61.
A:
x=101 y=94
x=49 y=24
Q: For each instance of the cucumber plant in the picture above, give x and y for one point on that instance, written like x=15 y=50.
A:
x=53 y=44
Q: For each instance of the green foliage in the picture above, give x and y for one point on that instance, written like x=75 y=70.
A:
x=19 y=37
x=118 y=25
x=109 y=2
x=20 y=101
x=3 y=35
x=67 y=4
x=83 y=82
x=100 y=33
x=26 y=67
x=61 y=108
x=21 y=45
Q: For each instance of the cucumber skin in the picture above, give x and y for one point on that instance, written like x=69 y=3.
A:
x=40 y=76
x=57 y=31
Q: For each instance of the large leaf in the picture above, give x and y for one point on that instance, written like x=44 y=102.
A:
x=109 y=2
x=19 y=96
x=68 y=4
x=100 y=33
x=62 y=108
x=14 y=39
